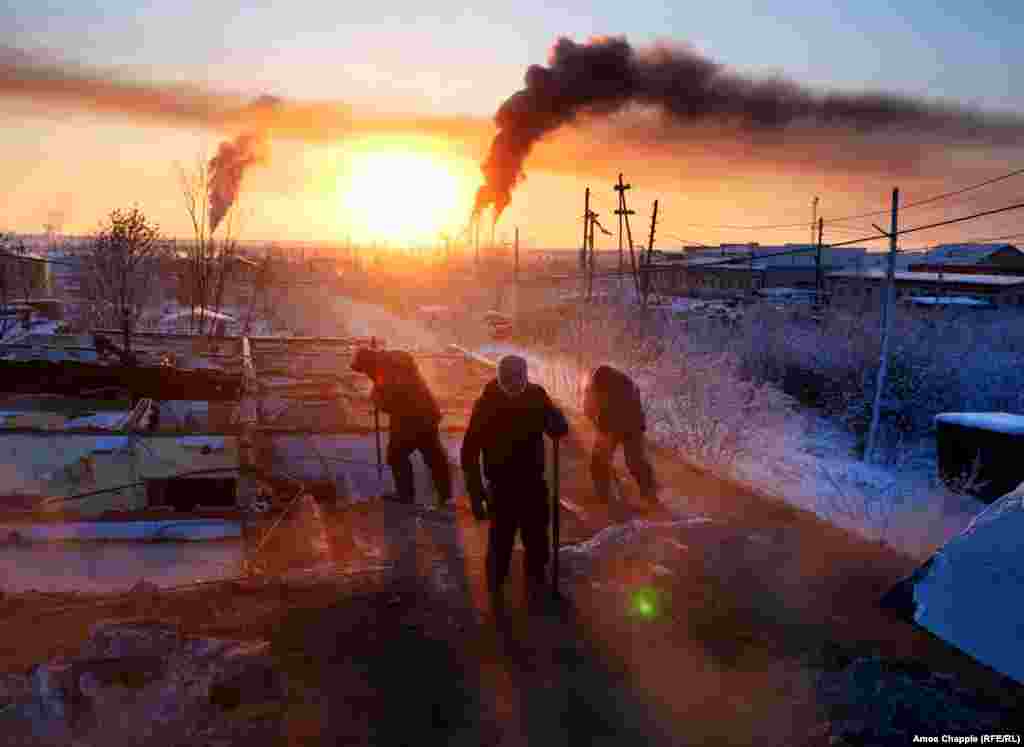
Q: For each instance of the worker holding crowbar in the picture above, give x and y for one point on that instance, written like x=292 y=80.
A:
x=507 y=429
x=400 y=391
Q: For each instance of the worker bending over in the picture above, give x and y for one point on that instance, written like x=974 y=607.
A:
x=400 y=391
x=611 y=400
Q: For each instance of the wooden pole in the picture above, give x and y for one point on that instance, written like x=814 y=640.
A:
x=818 y=278
x=887 y=314
x=814 y=216
x=622 y=212
x=650 y=254
x=590 y=263
x=629 y=239
x=586 y=229
x=516 y=274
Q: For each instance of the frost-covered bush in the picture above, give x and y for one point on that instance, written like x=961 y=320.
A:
x=939 y=361
x=698 y=402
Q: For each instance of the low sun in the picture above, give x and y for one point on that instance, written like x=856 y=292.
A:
x=403 y=195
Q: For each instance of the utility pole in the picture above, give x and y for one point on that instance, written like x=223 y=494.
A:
x=814 y=216
x=650 y=254
x=621 y=212
x=516 y=274
x=592 y=219
x=586 y=230
x=817 y=266
x=887 y=314
x=624 y=214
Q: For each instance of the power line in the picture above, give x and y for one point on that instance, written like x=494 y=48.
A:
x=917 y=203
x=915 y=229
x=991 y=238
x=936 y=198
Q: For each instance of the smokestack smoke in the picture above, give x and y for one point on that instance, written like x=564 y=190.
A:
x=226 y=170
x=42 y=83
x=235 y=156
x=605 y=75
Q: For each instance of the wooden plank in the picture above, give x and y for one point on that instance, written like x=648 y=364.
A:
x=156 y=382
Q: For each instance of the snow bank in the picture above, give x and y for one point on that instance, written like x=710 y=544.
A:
x=971 y=593
x=1000 y=422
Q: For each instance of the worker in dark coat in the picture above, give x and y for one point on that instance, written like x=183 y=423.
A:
x=611 y=400
x=400 y=391
x=507 y=427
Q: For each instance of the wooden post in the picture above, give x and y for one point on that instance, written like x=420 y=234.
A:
x=629 y=237
x=818 y=278
x=586 y=229
x=516 y=274
x=887 y=315
x=590 y=263
x=814 y=216
x=620 y=188
x=650 y=254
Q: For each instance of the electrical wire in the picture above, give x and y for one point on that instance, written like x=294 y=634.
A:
x=908 y=206
x=915 y=229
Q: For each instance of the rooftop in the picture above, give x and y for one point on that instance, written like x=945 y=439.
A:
x=1006 y=281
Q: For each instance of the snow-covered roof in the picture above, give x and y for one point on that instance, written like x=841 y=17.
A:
x=969 y=592
x=933 y=277
x=966 y=253
x=947 y=301
x=199 y=313
x=1001 y=422
x=722 y=263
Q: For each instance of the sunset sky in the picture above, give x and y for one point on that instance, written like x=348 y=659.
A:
x=394 y=61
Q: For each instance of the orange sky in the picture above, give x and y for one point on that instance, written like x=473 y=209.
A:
x=336 y=172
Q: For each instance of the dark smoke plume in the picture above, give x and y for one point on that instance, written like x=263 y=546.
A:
x=235 y=156
x=39 y=82
x=226 y=170
x=607 y=75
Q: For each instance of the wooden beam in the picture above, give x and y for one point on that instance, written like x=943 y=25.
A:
x=72 y=378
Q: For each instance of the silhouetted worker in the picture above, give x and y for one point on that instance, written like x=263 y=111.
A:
x=611 y=400
x=400 y=391
x=508 y=424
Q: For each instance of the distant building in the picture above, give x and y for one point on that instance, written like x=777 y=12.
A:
x=987 y=255
x=976 y=259
x=863 y=289
x=753 y=267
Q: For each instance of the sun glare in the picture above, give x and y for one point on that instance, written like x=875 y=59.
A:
x=403 y=195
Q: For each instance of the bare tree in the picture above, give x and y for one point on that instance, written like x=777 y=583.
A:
x=120 y=268
x=208 y=256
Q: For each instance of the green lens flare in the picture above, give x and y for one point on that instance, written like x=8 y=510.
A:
x=645 y=603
